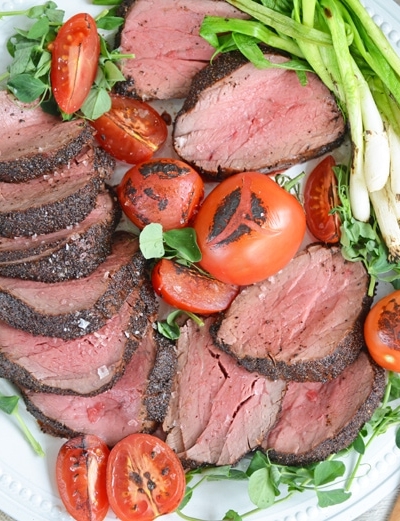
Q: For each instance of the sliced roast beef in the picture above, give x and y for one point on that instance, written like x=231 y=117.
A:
x=117 y=412
x=271 y=121
x=57 y=199
x=218 y=411
x=86 y=365
x=322 y=419
x=34 y=142
x=164 y=39
x=73 y=252
x=75 y=307
x=303 y=324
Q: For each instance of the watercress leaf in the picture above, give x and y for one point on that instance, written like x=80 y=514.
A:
x=327 y=498
x=55 y=15
x=359 y=444
x=22 y=59
x=327 y=471
x=186 y=498
x=258 y=461
x=112 y=72
x=26 y=87
x=106 y=2
x=44 y=64
x=8 y=403
x=261 y=489
x=170 y=331
x=109 y=23
x=397 y=438
x=38 y=29
x=96 y=104
x=151 y=241
x=231 y=515
x=183 y=240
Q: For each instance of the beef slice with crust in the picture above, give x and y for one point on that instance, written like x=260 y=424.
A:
x=75 y=307
x=238 y=118
x=320 y=419
x=72 y=252
x=86 y=365
x=305 y=323
x=34 y=142
x=121 y=410
x=168 y=50
x=57 y=199
x=218 y=411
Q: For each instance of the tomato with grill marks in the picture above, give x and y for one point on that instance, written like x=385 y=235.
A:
x=248 y=228
x=382 y=331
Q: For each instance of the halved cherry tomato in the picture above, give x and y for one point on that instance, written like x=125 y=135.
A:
x=81 y=470
x=75 y=55
x=145 y=478
x=131 y=131
x=248 y=228
x=165 y=191
x=320 y=196
x=382 y=332
x=190 y=290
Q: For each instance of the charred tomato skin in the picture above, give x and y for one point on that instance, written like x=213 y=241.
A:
x=248 y=228
x=145 y=478
x=81 y=468
x=165 y=191
x=131 y=131
x=320 y=197
x=190 y=290
x=75 y=55
x=382 y=332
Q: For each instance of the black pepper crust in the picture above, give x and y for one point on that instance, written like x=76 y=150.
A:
x=67 y=211
x=71 y=258
x=77 y=135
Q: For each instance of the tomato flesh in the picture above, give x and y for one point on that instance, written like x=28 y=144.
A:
x=248 y=228
x=165 y=191
x=81 y=477
x=320 y=197
x=190 y=290
x=131 y=131
x=381 y=332
x=75 y=55
x=145 y=478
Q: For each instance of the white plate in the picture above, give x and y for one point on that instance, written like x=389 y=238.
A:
x=27 y=482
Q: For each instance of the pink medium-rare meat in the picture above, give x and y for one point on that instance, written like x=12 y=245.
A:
x=73 y=252
x=34 y=142
x=86 y=365
x=168 y=50
x=320 y=419
x=304 y=323
x=237 y=117
x=75 y=307
x=57 y=199
x=121 y=410
x=218 y=411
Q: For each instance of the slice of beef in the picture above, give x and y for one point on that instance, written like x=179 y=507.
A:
x=57 y=199
x=84 y=366
x=321 y=419
x=218 y=410
x=73 y=252
x=305 y=323
x=168 y=50
x=121 y=410
x=34 y=142
x=238 y=117
x=75 y=307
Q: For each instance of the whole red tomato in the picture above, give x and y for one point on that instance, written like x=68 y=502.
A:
x=320 y=197
x=248 y=228
x=75 y=56
x=165 y=191
x=382 y=332
x=131 y=131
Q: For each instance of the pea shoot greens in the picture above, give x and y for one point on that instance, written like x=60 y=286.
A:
x=28 y=75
